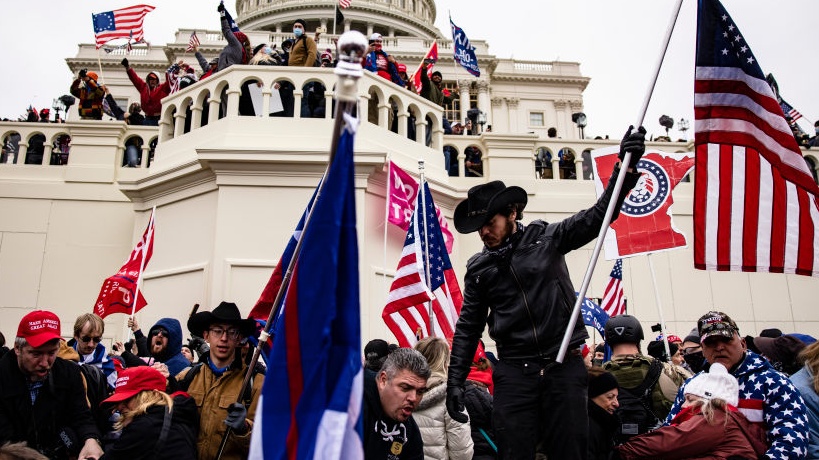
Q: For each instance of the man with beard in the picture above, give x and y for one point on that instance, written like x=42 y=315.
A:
x=163 y=345
x=42 y=399
x=390 y=397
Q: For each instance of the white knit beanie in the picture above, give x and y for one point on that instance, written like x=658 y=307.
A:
x=717 y=383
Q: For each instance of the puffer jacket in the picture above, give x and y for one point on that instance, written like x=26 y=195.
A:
x=213 y=395
x=525 y=293
x=444 y=438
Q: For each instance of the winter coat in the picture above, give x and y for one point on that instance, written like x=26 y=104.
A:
x=150 y=99
x=233 y=53
x=695 y=438
x=140 y=437
x=213 y=395
x=389 y=73
x=60 y=404
x=803 y=381
x=431 y=92
x=766 y=396
x=172 y=355
x=303 y=53
x=444 y=438
x=382 y=434
x=90 y=99
x=478 y=403
x=524 y=290
x=602 y=428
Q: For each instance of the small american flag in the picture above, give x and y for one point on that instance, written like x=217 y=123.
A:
x=193 y=43
x=755 y=201
x=122 y=23
x=789 y=111
x=345 y=3
x=613 y=302
x=407 y=312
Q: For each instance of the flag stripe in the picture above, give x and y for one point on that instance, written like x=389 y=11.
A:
x=127 y=24
x=613 y=300
x=750 y=212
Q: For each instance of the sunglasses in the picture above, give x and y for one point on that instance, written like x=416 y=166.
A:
x=159 y=333
x=87 y=339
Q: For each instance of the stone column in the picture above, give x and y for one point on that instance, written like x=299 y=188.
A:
x=483 y=100
x=512 y=103
x=369 y=29
x=463 y=86
x=497 y=103
x=561 y=116
x=575 y=106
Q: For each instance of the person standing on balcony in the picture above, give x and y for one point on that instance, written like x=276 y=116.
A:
x=238 y=49
x=90 y=93
x=303 y=52
x=520 y=284
x=378 y=61
x=150 y=93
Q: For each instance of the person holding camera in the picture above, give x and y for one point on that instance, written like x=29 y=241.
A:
x=520 y=285
x=90 y=93
x=42 y=398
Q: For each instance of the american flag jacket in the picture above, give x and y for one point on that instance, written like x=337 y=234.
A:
x=767 y=397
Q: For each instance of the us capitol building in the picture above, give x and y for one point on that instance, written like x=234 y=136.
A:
x=229 y=190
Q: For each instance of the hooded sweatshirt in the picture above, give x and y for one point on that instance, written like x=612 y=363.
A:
x=151 y=99
x=172 y=355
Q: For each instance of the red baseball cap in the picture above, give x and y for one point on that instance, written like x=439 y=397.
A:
x=135 y=379
x=39 y=327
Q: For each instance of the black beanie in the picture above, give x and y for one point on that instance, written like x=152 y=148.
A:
x=601 y=384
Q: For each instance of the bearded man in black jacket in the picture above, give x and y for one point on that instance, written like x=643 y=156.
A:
x=520 y=285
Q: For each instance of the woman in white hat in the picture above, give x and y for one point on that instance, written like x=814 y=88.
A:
x=708 y=425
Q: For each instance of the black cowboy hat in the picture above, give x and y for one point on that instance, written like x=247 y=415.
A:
x=226 y=313
x=483 y=202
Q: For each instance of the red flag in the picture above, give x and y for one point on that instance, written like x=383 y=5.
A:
x=407 y=310
x=756 y=204
x=122 y=23
x=118 y=291
x=645 y=223
x=401 y=199
x=431 y=54
x=613 y=301
x=193 y=42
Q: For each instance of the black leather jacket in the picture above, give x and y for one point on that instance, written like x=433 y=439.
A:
x=525 y=293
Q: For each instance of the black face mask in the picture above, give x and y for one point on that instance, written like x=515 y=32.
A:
x=695 y=361
x=597 y=362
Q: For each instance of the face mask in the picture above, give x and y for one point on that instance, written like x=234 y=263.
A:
x=298 y=32
x=695 y=361
x=268 y=50
x=597 y=362
x=377 y=47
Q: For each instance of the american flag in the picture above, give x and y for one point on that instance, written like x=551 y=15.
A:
x=789 y=111
x=407 y=310
x=122 y=23
x=613 y=302
x=345 y=3
x=193 y=42
x=755 y=201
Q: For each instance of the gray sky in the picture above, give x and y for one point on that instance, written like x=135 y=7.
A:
x=617 y=43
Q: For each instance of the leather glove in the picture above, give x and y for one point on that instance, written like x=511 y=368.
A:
x=634 y=142
x=82 y=73
x=236 y=418
x=221 y=9
x=124 y=62
x=455 y=403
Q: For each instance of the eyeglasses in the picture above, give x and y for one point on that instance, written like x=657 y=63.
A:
x=232 y=333
x=87 y=339
x=690 y=350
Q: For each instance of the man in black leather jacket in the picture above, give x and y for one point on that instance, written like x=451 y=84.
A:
x=520 y=285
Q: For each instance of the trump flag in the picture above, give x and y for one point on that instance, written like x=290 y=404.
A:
x=310 y=405
x=645 y=224
x=120 y=293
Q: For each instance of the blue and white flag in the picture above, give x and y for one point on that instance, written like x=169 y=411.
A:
x=593 y=315
x=464 y=51
x=233 y=26
x=310 y=405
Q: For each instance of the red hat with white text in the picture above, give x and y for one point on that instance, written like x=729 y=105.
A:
x=39 y=327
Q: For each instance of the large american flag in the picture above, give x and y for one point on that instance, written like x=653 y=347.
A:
x=122 y=23
x=407 y=310
x=193 y=42
x=755 y=201
x=613 y=301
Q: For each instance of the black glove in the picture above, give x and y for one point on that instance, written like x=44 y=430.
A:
x=634 y=142
x=82 y=73
x=124 y=62
x=455 y=403
x=221 y=9
x=236 y=418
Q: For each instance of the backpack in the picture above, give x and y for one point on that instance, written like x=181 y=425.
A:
x=96 y=390
x=635 y=414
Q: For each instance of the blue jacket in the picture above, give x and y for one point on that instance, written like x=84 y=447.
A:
x=766 y=396
x=172 y=356
x=803 y=381
x=371 y=64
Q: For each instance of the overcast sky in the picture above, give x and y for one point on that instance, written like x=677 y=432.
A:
x=617 y=44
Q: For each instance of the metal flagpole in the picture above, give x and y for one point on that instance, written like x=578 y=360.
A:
x=659 y=305
x=139 y=278
x=425 y=252
x=618 y=185
x=352 y=46
x=387 y=222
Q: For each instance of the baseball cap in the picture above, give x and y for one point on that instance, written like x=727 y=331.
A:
x=135 y=379
x=716 y=323
x=39 y=327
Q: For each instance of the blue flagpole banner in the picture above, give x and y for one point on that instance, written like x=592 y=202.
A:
x=593 y=315
x=311 y=400
x=464 y=51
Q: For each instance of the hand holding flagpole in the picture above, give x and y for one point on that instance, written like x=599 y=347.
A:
x=564 y=345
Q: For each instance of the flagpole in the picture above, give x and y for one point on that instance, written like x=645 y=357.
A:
x=659 y=305
x=139 y=277
x=421 y=184
x=99 y=64
x=352 y=46
x=335 y=16
x=618 y=185
x=387 y=221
